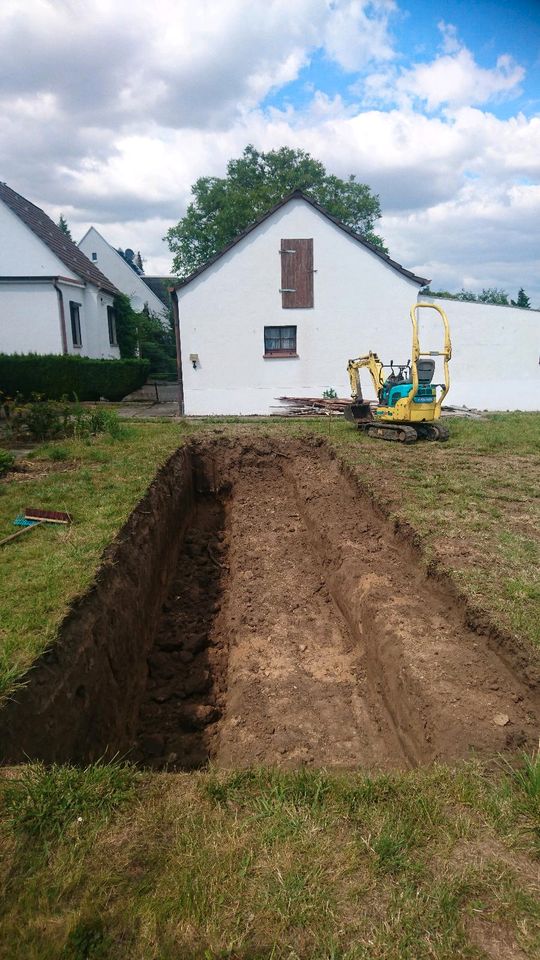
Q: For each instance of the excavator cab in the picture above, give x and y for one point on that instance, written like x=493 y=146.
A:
x=408 y=405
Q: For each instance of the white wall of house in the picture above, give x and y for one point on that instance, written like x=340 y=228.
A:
x=495 y=355
x=29 y=318
x=93 y=305
x=29 y=309
x=24 y=254
x=109 y=261
x=360 y=303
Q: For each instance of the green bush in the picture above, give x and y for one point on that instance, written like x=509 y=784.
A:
x=6 y=462
x=50 y=420
x=54 y=376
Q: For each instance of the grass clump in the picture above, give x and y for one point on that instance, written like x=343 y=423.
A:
x=43 y=803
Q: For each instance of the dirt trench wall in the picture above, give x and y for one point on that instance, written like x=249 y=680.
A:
x=83 y=694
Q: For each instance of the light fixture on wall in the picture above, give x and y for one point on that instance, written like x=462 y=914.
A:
x=194 y=358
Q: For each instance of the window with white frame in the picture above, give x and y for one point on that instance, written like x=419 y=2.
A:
x=75 y=317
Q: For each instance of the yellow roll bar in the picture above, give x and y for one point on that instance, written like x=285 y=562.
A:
x=446 y=352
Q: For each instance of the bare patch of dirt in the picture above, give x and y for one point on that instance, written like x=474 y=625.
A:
x=283 y=621
x=326 y=643
x=496 y=942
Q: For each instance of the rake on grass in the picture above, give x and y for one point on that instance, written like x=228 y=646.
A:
x=35 y=517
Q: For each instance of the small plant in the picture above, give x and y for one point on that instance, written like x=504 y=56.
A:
x=42 y=419
x=329 y=394
x=6 y=462
x=527 y=776
x=58 y=454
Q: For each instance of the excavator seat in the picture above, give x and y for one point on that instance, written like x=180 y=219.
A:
x=426 y=369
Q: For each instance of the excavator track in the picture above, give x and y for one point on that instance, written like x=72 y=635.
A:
x=398 y=432
x=432 y=431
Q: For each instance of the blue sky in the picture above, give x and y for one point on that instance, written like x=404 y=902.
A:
x=110 y=110
x=488 y=29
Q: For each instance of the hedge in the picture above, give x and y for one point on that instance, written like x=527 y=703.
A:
x=54 y=377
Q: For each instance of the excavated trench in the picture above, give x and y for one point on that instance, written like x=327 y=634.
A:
x=256 y=608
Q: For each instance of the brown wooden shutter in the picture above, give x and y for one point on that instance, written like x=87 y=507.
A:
x=296 y=273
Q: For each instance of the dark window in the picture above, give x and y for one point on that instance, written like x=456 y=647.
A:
x=111 y=320
x=75 y=315
x=280 y=342
x=296 y=273
x=94 y=256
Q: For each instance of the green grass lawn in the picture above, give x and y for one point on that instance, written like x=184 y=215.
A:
x=112 y=864
x=98 y=481
x=108 y=863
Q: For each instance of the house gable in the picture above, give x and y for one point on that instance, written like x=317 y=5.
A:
x=22 y=254
x=112 y=263
x=296 y=196
x=64 y=249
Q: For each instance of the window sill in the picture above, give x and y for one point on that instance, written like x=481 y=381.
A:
x=281 y=356
x=77 y=346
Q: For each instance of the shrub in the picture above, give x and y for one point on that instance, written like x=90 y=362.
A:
x=55 y=376
x=6 y=462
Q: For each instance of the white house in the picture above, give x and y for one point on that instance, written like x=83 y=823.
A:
x=106 y=258
x=52 y=298
x=281 y=310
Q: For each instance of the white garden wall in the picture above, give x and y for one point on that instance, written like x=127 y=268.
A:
x=495 y=355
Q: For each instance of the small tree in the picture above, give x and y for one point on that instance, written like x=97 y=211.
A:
x=63 y=224
x=494 y=295
x=522 y=300
x=126 y=326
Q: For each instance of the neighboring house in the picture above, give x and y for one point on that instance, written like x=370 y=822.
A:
x=282 y=309
x=141 y=293
x=52 y=298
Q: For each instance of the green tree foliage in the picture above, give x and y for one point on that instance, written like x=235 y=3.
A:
x=63 y=224
x=494 y=295
x=222 y=207
x=522 y=300
x=145 y=335
x=126 y=326
x=489 y=295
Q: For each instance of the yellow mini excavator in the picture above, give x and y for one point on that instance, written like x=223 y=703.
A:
x=408 y=407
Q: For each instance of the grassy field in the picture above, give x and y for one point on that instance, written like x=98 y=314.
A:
x=436 y=863
x=111 y=864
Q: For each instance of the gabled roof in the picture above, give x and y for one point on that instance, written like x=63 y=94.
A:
x=300 y=195
x=65 y=249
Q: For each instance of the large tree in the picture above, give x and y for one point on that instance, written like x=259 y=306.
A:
x=222 y=207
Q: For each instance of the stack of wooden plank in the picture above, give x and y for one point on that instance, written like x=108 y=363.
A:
x=310 y=406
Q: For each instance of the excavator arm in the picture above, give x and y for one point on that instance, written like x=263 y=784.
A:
x=375 y=367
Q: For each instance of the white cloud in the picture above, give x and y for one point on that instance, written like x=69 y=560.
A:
x=125 y=107
x=456 y=80
x=451 y=80
x=357 y=33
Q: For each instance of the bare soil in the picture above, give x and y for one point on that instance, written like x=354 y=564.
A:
x=300 y=628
